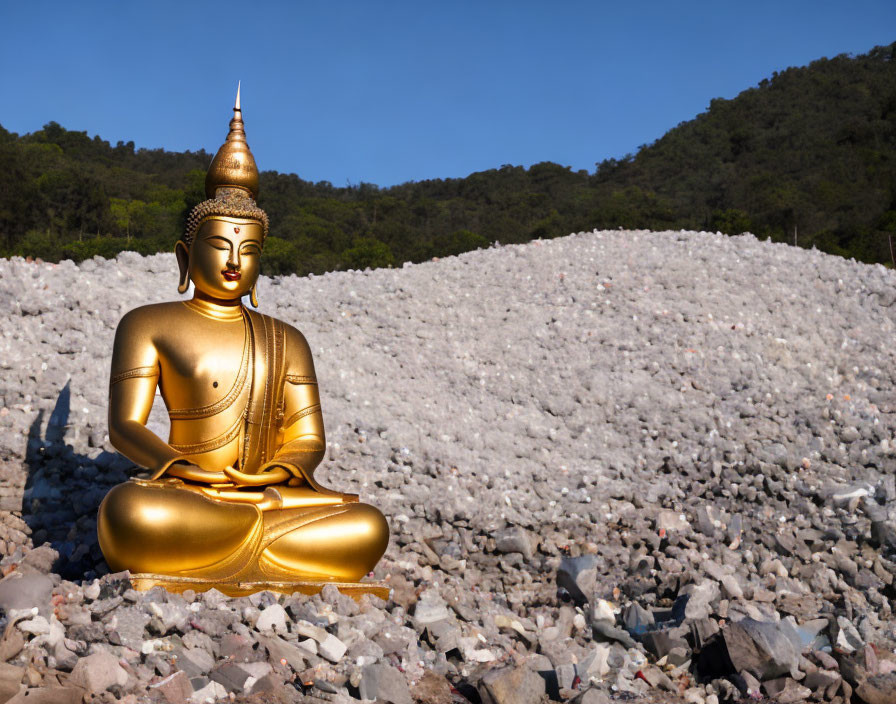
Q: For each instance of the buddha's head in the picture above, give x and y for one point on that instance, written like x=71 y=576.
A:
x=221 y=246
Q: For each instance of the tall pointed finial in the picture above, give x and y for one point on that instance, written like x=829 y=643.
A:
x=233 y=165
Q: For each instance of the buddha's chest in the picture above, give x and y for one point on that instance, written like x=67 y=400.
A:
x=202 y=366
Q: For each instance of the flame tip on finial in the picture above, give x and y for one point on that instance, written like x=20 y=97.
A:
x=236 y=105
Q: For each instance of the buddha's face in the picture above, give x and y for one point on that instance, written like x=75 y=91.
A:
x=224 y=257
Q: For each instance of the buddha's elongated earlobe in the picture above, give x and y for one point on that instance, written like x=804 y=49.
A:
x=183 y=265
x=253 y=296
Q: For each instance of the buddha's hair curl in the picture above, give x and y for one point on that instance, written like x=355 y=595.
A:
x=232 y=203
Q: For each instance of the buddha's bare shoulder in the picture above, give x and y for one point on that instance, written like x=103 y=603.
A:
x=298 y=351
x=152 y=317
x=138 y=333
x=293 y=337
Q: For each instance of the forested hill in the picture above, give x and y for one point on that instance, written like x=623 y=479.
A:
x=809 y=155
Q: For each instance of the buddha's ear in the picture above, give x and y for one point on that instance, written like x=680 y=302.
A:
x=183 y=265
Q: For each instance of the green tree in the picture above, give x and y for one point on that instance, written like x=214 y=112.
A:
x=367 y=252
x=278 y=256
x=457 y=242
x=731 y=221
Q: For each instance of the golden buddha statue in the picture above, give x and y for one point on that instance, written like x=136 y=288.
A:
x=231 y=500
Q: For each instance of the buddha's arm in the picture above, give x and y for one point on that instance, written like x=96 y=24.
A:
x=304 y=442
x=132 y=388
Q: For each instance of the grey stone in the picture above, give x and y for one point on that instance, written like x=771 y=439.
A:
x=129 y=623
x=210 y=692
x=10 y=680
x=97 y=672
x=594 y=663
x=344 y=604
x=25 y=591
x=878 y=689
x=593 y=696
x=332 y=648
x=661 y=643
x=821 y=679
x=825 y=660
x=175 y=688
x=256 y=668
x=432 y=689
x=786 y=690
x=578 y=575
x=41 y=559
x=229 y=675
x=511 y=685
x=443 y=636
x=702 y=630
x=384 y=684
x=754 y=686
x=656 y=678
x=766 y=650
x=167 y=617
x=194 y=661
x=325 y=686
x=603 y=630
x=731 y=587
x=269 y=683
x=34 y=626
x=810 y=634
x=236 y=647
x=566 y=674
x=701 y=597
x=11 y=644
x=705 y=523
x=636 y=619
x=280 y=651
x=369 y=682
x=672 y=522
x=273 y=618
x=431 y=607
x=514 y=539
x=49 y=695
x=845 y=635
x=678 y=656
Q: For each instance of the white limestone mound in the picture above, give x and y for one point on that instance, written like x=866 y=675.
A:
x=690 y=414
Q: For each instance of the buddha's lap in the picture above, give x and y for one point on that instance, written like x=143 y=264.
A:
x=148 y=527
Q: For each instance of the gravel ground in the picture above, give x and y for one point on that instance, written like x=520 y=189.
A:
x=614 y=464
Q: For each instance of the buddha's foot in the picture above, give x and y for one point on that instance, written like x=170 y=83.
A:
x=162 y=531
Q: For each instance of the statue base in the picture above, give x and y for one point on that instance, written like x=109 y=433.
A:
x=144 y=582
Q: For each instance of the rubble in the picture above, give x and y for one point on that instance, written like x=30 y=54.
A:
x=615 y=464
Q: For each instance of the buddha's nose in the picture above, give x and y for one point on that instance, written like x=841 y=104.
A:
x=233 y=261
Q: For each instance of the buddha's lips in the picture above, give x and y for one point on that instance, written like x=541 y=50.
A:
x=231 y=275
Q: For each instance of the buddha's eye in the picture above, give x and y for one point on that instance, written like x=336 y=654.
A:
x=218 y=243
x=251 y=249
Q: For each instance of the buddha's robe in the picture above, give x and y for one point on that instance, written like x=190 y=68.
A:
x=299 y=530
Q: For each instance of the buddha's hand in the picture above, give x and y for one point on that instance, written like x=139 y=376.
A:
x=195 y=473
x=271 y=475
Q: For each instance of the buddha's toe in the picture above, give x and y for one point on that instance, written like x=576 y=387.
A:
x=345 y=544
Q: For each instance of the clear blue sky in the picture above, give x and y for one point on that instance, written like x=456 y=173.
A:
x=387 y=92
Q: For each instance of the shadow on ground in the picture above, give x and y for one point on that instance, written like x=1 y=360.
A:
x=63 y=491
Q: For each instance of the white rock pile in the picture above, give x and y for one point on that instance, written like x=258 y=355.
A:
x=614 y=464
